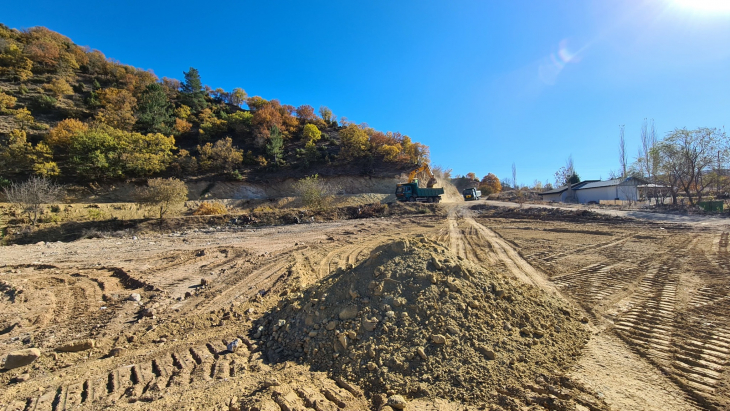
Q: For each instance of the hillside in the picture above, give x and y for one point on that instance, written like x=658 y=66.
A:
x=73 y=114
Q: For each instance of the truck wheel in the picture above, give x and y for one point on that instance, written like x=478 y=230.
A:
x=430 y=199
x=412 y=200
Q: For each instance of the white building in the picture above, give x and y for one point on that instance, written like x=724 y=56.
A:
x=624 y=189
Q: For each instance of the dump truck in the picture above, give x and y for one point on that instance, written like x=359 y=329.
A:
x=412 y=192
x=471 y=194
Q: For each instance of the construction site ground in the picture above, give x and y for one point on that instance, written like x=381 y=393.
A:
x=654 y=297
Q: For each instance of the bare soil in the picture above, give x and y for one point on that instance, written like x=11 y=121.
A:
x=649 y=307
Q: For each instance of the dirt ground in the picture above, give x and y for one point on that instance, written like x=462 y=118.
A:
x=653 y=299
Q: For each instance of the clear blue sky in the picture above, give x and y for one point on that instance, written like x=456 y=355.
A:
x=483 y=83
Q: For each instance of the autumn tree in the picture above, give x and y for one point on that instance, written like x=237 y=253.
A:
x=59 y=87
x=490 y=184
x=305 y=113
x=7 y=102
x=61 y=135
x=237 y=97
x=117 y=108
x=154 y=110
x=106 y=152
x=326 y=114
x=221 y=156
x=163 y=194
x=311 y=133
x=686 y=156
x=354 y=142
x=316 y=194
x=14 y=64
x=256 y=102
x=191 y=90
x=24 y=118
x=18 y=156
x=32 y=194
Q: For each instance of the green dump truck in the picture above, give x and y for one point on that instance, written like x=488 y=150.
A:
x=411 y=192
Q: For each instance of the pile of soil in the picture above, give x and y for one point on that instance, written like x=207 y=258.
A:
x=544 y=213
x=414 y=320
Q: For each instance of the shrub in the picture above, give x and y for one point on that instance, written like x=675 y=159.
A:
x=316 y=194
x=211 y=208
x=44 y=103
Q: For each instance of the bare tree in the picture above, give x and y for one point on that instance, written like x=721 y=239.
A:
x=622 y=150
x=514 y=175
x=31 y=194
x=566 y=174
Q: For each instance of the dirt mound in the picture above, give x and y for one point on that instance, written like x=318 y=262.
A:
x=414 y=320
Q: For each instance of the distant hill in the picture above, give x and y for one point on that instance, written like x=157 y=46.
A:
x=70 y=113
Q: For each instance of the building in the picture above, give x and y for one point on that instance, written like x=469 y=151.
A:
x=593 y=191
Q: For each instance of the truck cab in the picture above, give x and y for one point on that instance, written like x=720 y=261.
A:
x=471 y=194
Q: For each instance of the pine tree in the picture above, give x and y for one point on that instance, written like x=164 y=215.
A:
x=275 y=145
x=154 y=111
x=191 y=90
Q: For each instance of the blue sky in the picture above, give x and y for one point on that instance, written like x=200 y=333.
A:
x=483 y=83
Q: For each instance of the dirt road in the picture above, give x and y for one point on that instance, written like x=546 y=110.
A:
x=656 y=298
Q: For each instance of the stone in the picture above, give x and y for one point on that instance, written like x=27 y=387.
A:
x=117 y=352
x=452 y=330
x=438 y=339
x=149 y=312
x=369 y=324
x=348 y=313
x=134 y=297
x=20 y=358
x=79 y=345
x=22 y=377
x=397 y=402
x=331 y=325
x=372 y=366
x=489 y=354
x=342 y=338
x=234 y=345
x=421 y=353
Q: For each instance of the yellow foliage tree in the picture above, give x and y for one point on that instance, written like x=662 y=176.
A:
x=311 y=133
x=19 y=156
x=7 y=102
x=58 y=87
x=14 y=64
x=354 y=142
x=490 y=184
x=24 y=118
x=60 y=136
x=117 y=108
x=221 y=156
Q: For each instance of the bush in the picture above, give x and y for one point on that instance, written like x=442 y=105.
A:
x=316 y=194
x=44 y=103
x=211 y=208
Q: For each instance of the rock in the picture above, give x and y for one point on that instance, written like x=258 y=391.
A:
x=538 y=333
x=271 y=382
x=489 y=354
x=372 y=366
x=397 y=402
x=331 y=325
x=438 y=339
x=343 y=340
x=452 y=330
x=369 y=324
x=234 y=345
x=22 y=377
x=348 y=313
x=149 y=312
x=421 y=353
x=204 y=282
x=20 y=358
x=117 y=352
x=79 y=345
x=134 y=297
x=234 y=404
x=436 y=263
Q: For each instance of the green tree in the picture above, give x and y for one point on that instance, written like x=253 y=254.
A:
x=154 y=110
x=316 y=194
x=163 y=194
x=191 y=90
x=275 y=145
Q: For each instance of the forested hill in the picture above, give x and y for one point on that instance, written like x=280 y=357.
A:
x=70 y=113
